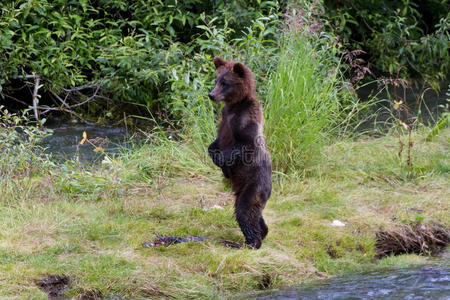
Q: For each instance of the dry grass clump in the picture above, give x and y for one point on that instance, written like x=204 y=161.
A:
x=420 y=239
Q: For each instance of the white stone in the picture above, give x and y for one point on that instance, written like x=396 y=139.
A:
x=213 y=207
x=337 y=223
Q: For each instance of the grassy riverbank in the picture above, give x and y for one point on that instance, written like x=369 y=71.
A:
x=89 y=225
x=78 y=230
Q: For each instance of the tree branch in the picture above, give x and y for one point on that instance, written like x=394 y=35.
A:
x=29 y=76
x=37 y=79
x=15 y=99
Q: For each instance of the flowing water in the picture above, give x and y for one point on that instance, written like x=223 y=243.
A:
x=420 y=103
x=422 y=283
x=430 y=281
x=64 y=142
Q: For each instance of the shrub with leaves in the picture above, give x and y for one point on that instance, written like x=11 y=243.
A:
x=130 y=47
x=19 y=145
x=402 y=39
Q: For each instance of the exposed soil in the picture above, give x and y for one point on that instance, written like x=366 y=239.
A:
x=265 y=282
x=53 y=285
x=421 y=239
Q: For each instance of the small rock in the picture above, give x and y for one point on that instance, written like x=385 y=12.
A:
x=337 y=223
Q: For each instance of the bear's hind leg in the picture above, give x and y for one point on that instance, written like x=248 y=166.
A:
x=248 y=216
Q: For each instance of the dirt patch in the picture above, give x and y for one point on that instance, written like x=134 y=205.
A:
x=420 y=239
x=265 y=282
x=332 y=252
x=53 y=285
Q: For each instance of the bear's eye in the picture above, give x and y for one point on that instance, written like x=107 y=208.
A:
x=221 y=83
x=226 y=83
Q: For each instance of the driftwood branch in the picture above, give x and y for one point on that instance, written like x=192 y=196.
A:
x=15 y=99
x=46 y=109
x=63 y=101
x=37 y=80
x=60 y=100
x=77 y=90
x=80 y=88
x=91 y=97
x=34 y=96
x=29 y=76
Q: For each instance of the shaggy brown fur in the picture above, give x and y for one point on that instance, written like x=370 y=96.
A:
x=240 y=149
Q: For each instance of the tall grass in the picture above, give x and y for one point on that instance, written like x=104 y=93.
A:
x=306 y=102
x=202 y=123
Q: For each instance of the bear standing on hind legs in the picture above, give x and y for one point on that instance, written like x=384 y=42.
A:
x=240 y=148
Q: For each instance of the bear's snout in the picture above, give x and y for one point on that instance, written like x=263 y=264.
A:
x=211 y=96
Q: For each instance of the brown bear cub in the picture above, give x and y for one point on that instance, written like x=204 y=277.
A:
x=240 y=148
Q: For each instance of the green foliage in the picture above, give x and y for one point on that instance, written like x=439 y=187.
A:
x=444 y=120
x=19 y=149
x=307 y=101
x=191 y=79
x=128 y=46
x=407 y=39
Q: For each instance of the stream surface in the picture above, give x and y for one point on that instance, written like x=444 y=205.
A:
x=426 y=282
x=64 y=142
x=421 y=103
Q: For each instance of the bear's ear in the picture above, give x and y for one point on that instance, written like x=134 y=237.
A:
x=218 y=62
x=239 y=69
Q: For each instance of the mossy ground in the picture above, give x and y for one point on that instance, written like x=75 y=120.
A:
x=89 y=225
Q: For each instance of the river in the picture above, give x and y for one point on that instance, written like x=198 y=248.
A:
x=430 y=281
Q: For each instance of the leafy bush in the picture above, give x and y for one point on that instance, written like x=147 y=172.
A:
x=191 y=80
x=19 y=150
x=129 y=47
x=406 y=39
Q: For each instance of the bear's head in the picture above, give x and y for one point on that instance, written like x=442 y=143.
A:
x=234 y=82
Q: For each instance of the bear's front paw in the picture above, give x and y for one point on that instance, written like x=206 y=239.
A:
x=226 y=171
x=253 y=244
x=212 y=146
x=217 y=158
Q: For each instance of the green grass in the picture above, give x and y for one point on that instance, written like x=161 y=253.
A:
x=89 y=224
x=308 y=101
